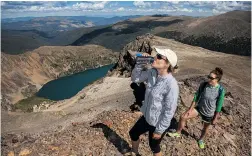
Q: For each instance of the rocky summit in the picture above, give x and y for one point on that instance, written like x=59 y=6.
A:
x=97 y=120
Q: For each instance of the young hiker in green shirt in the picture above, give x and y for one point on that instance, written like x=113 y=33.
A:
x=208 y=101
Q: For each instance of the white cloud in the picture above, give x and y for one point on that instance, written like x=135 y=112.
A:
x=138 y=7
x=99 y=5
x=174 y=2
x=164 y=10
x=89 y=6
x=186 y=10
x=50 y=7
x=121 y=9
x=218 y=7
x=236 y=4
x=3 y=3
x=202 y=10
x=169 y=8
x=44 y=9
x=141 y=4
x=198 y=3
x=33 y=8
x=223 y=7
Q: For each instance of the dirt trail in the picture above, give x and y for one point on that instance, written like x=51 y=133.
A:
x=63 y=113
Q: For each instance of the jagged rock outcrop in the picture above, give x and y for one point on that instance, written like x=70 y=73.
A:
x=125 y=63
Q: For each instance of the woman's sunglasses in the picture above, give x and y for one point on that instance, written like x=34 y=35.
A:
x=211 y=78
x=160 y=57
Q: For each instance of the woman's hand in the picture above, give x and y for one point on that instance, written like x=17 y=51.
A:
x=214 y=121
x=188 y=112
x=215 y=118
x=145 y=54
x=156 y=136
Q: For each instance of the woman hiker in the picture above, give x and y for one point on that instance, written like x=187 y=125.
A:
x=208 y=101
x=160 y=100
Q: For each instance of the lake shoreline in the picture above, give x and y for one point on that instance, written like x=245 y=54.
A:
x=24 y=74
x=26 y=105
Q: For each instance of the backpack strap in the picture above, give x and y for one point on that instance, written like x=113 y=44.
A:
x=202 y=89
x=221 y=88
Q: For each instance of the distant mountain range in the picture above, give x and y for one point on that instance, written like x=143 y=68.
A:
x=29 y=33
x=58 y=23
x=17 y=19
x=20 y=41
x=229 y=33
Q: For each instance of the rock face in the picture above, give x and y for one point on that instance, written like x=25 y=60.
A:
x=125 y=63
x=22 y=75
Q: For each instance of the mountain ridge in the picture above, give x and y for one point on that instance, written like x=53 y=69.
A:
x=228 y=33
x=219 y=33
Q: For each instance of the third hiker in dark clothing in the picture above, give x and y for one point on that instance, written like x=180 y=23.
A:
x=139 y=92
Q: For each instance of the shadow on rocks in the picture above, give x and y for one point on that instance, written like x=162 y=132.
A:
x=139 y=92
x=121 y=145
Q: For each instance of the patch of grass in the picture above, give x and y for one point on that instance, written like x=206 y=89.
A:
x=27 y=104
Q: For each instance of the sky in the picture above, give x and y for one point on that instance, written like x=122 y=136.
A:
x=12 y=9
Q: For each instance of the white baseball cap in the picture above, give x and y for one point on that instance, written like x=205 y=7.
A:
x=168 y=53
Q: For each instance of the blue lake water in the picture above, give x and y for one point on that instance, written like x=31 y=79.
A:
x=68 y=86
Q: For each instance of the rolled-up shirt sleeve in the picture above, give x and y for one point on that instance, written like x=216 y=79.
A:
x=169 y=107
x=139 y=75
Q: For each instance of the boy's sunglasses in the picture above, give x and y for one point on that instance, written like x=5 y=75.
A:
x=160 y=57
x=211 y=78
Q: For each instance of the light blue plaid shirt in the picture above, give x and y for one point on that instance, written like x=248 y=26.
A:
x=161 y=96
